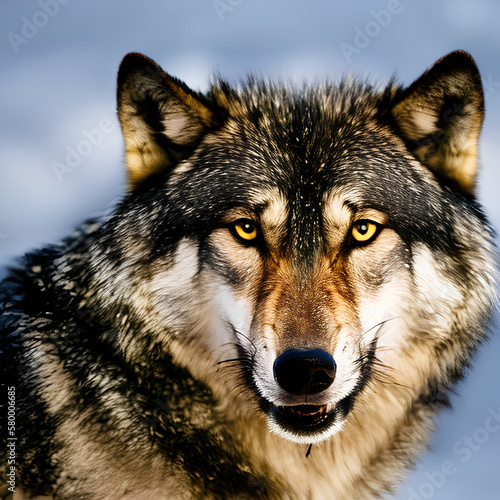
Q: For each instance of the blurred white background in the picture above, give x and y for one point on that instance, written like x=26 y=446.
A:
x=59 y=60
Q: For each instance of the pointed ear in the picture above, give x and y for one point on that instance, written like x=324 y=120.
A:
x=162 y=120
x=440 y=115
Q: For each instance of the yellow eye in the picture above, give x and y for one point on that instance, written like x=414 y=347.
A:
x=246 y=230
x=364 y=230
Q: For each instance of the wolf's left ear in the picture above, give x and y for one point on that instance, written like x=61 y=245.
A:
x=162 y=120
x=440 y=115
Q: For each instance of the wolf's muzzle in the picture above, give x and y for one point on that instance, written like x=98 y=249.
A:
x=304 y=372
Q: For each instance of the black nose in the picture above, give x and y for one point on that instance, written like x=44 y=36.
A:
x=304 y=372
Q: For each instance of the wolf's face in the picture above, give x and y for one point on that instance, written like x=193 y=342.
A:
x=313 y=287
x=307 y=270
x=307 y=237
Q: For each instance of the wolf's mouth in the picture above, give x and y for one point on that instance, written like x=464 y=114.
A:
x=305 y=421
x=308 y=423
x=305 y=416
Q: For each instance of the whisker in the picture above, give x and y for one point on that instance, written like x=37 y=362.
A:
x=382 y=370
x=379 y=326
x=236 y=332
x=249 y=340
x=232 y=360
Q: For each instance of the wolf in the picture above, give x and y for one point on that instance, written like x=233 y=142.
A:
x=277 y=308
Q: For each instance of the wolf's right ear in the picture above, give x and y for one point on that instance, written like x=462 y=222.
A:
x=162 y=120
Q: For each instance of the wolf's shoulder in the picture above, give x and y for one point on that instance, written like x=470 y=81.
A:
x=27 y=290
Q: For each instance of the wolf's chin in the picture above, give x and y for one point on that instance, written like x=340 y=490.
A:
x=303 y=437
x=304 y=424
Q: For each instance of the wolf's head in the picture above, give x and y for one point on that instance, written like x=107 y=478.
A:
x=319 y=240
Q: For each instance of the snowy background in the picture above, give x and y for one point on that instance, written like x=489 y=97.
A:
x=59 y=60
